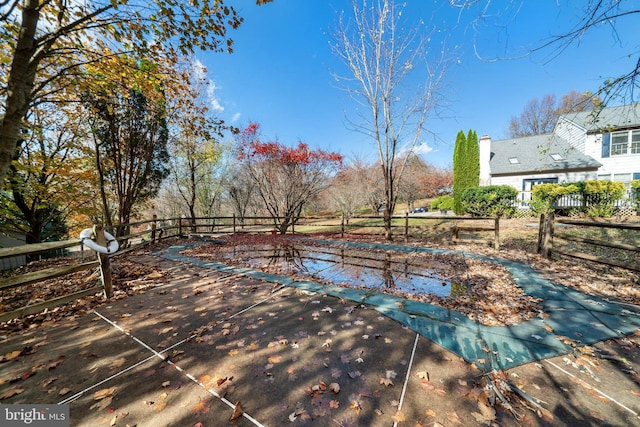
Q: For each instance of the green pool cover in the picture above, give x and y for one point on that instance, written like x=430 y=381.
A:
x=572 y=314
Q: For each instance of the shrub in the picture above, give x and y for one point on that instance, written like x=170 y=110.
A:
x=545 y=196
x=443 y=203
x=492 y=200
x=600 y=196
x=635 y=193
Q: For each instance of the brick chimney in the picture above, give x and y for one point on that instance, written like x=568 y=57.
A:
x=485 y=157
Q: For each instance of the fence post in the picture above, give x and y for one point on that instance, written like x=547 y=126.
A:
x=342 y=227
x=496 y=237
x=406 y=226
x=540 y=233
x=180 y=227
x=547 y=242
x=105 y=266
x=234 y=223
x=153 y=228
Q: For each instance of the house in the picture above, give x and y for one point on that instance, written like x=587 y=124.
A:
x=583 y=146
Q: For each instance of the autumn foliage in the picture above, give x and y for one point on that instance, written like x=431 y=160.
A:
x=286 y=178
x=251 y=147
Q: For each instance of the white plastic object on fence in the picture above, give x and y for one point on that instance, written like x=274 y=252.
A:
x=112 y=243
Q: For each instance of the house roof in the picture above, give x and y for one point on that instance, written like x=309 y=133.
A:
x=537 y=154
x=610 y=118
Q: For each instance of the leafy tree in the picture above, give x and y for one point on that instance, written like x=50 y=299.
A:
x=194 y=149
x=36 y=33
x=285 y=178
x=130 y=135
x=436 y=181
x=384 y=57
x=50 y=178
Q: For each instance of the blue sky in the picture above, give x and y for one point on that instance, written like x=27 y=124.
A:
x=280 y=74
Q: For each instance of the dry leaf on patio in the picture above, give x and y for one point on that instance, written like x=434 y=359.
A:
x=64 y=391
x=54 y=364
x=334 y=404
x=201 y=407
x=399 y=417
x=10 y=355
x=10 y=393
x=237 y=412
x=334 y=387
x=104 y=393
x=386 y=382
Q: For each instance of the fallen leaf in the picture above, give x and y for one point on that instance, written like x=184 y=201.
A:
x=237 y=412
x=274 y=359
x=166 y=384
x=104 y=393
x=334 y=404
x=10 y=393
x=423 y=375
x=117 y=363
x=201 y=407
x=399 y=417
x=11 y=355
x=334 y=387
x=386 y=382
x=431 y=413
x=64 y=391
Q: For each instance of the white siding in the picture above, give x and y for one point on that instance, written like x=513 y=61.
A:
x=574 y=134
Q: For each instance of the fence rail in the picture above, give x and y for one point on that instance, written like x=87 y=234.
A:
x=615 y=244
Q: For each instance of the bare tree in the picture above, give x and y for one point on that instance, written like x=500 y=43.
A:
x=395 y=73
x=347 y=192
x=595 y=14
x=541 y=115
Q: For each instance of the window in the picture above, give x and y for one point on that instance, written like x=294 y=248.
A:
x=621 y=143
x=606 y=177
x=635 y=142
x=514 y=160
x=557 y=157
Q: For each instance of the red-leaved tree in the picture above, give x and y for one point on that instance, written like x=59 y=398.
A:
x=285 y=177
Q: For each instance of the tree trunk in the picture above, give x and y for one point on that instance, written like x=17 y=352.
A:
x=19 y=85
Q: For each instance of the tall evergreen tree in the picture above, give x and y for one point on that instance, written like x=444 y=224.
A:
x=458 y=171
x=466 y=166
x=473 y=159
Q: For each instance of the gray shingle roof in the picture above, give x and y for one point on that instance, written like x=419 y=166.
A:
x=534 y=155
x=610 y=118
